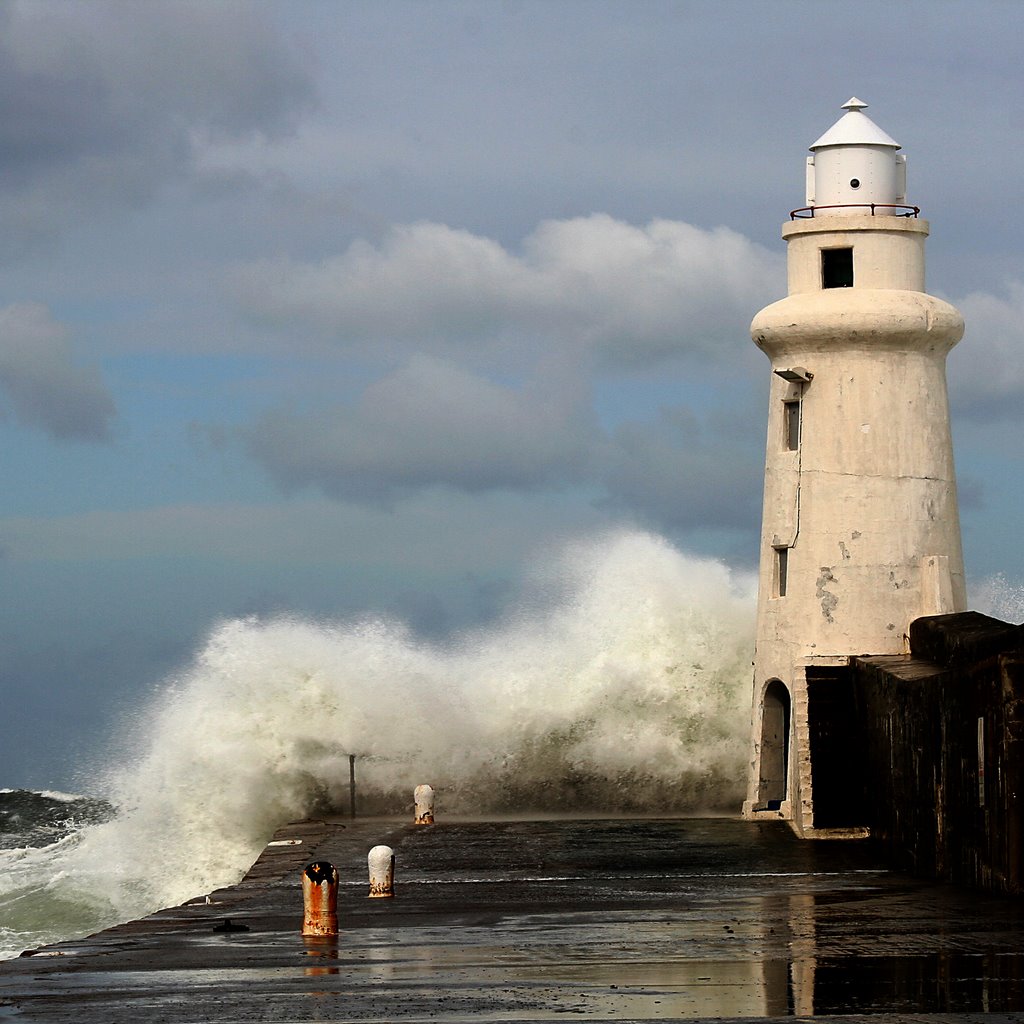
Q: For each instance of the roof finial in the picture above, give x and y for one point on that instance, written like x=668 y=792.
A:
x=854 y=104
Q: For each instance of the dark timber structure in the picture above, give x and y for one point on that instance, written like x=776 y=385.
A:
x=927 y=750
x=953 y=718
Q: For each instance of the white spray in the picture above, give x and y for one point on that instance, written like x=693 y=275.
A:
x=618 y=683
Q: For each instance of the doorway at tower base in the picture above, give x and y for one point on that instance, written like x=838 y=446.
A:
x=835 y=742
x=809 y=745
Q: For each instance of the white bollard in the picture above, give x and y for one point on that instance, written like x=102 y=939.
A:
x=381 y=862
x=424 y=797
x=320 y=899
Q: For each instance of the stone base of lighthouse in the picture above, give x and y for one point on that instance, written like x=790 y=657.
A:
x=923 y=750
x=807 y=744
x=804 y=756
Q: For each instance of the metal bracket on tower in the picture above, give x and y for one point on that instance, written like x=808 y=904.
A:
x=795 y=375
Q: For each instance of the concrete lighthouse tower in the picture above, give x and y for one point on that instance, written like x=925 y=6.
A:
x=860 y=531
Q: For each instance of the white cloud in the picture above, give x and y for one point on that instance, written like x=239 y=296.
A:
x=41 y=382
x=535 y=325
x=631 y=295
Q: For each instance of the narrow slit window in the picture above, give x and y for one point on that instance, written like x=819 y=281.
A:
x=837 y=268
x=791 y=423
x=781 y=571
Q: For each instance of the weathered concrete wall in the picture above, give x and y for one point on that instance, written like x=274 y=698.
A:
x=860 y=531
x=943 y=735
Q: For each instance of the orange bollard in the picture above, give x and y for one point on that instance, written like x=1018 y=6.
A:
x=424 y=797
x=381 y=862
x=320 y=899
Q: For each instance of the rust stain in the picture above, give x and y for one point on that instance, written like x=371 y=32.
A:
x=320 y=899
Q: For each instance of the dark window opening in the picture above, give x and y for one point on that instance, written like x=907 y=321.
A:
x=837 y=268
x=791 y=413
x=781 y=571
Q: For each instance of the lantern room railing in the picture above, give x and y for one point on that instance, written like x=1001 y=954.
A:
x=806 y=212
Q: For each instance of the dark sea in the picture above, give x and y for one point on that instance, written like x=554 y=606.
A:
x=36 y=831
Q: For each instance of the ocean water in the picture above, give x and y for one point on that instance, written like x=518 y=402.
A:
x=617 y=681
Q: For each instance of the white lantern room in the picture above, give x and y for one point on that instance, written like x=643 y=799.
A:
x=856 y=168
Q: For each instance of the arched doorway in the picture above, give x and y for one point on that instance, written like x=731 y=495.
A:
x=774 y=775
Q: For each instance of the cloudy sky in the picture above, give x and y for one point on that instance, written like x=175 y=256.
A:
x=350 y=307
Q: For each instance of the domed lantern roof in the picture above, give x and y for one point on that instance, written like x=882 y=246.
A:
x=855 y=128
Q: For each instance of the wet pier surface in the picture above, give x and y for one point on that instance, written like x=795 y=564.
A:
x=542 y=920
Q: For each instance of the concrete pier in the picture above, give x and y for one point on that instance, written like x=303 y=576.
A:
x=706 y=919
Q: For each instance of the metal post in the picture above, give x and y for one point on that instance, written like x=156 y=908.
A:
x=352 y=784
x=320 y=899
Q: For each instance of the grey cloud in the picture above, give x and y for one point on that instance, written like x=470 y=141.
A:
x=590 y=292
x=631 y=295
x=986 y=370
x=678 y=475
x=42 y=384
x=429 y=424
x=106 y=101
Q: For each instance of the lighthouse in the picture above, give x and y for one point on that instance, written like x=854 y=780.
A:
x=860 y=529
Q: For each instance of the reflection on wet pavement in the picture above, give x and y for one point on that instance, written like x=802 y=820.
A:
x=612 y=920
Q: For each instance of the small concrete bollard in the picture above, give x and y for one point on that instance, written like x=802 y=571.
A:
x=320 y=899
x=381 y=862
x=424 y=797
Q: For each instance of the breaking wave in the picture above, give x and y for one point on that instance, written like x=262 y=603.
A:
x=619 y=681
